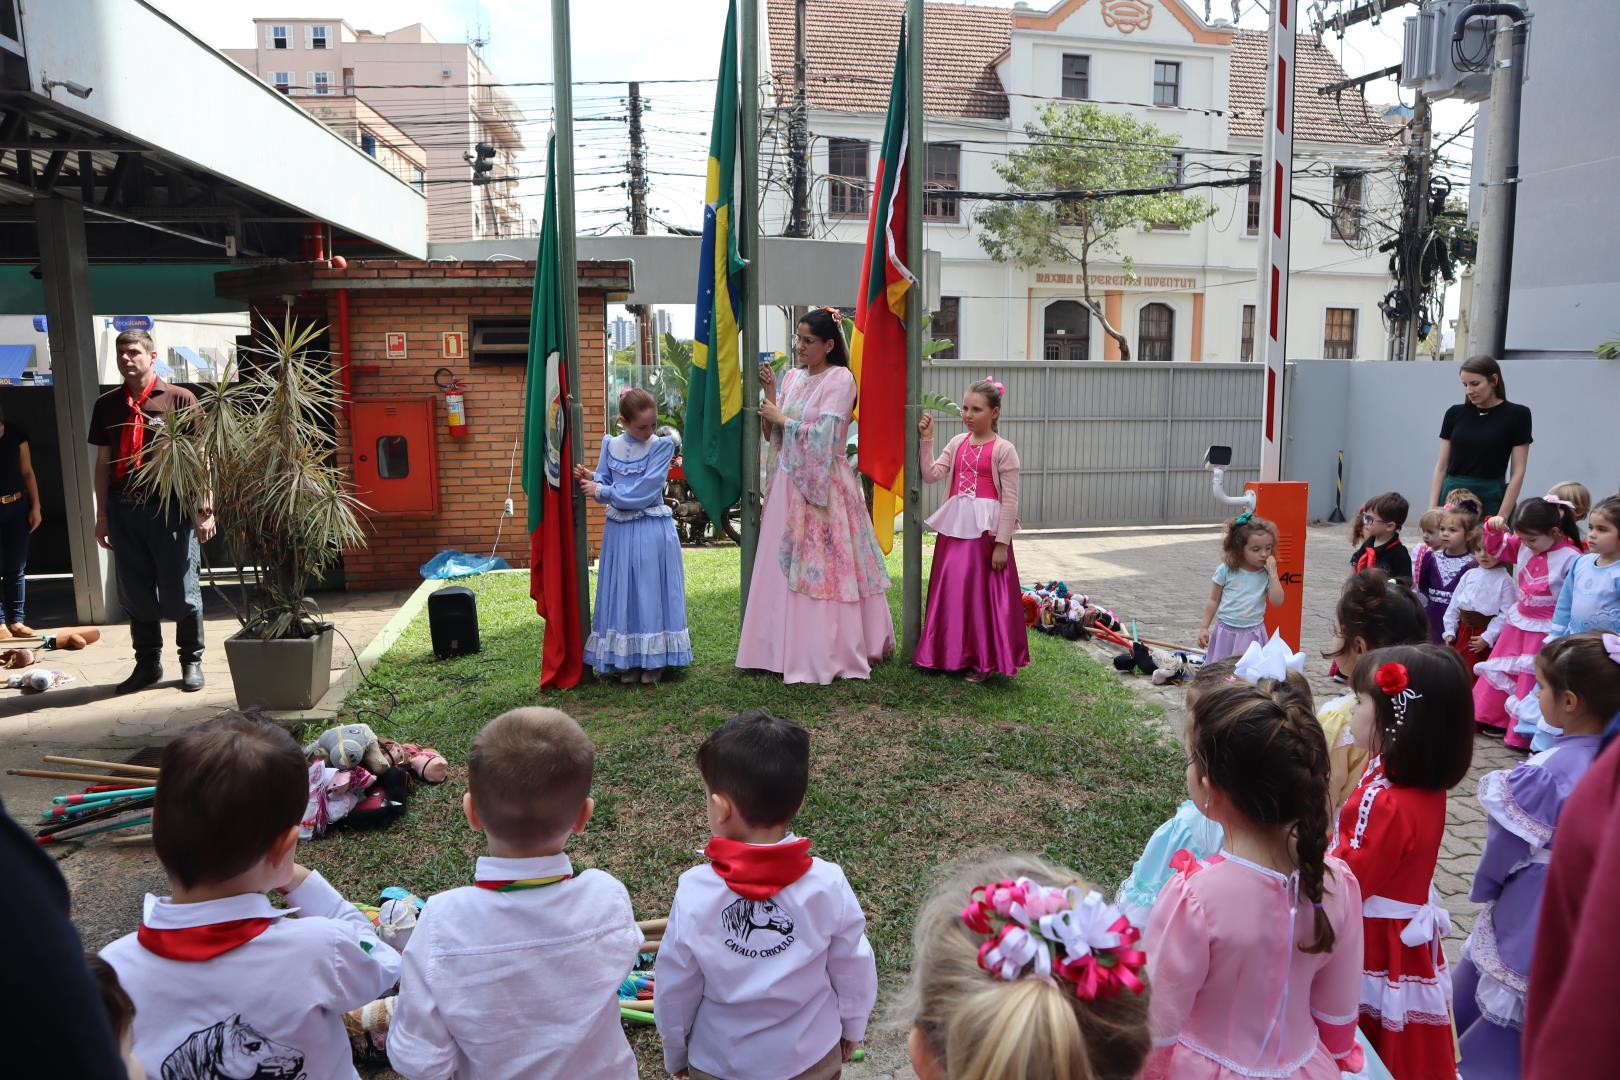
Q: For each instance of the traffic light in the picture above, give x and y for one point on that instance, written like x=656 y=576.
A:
x=483 y=163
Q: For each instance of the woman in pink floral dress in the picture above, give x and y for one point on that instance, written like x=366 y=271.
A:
x=818 y=606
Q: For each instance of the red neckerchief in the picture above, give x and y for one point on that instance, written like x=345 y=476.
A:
x=196 y=943
x=758 y=871
x=1369 y=558
x=132 y=436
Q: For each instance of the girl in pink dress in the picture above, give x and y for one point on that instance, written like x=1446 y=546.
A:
x=975 y=617
x=1541 y=549
x=1254 y=954
x=818 y=605
x=1412 y=713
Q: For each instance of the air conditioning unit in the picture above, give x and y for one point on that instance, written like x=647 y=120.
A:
x=1429 y=57
x=444 y=73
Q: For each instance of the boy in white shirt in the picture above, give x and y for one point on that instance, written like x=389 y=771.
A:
x=765 y=972
x=518 y=974
x=223 y=983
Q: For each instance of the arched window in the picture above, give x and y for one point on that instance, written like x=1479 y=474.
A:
x=1156 y=333
x=1068 y=331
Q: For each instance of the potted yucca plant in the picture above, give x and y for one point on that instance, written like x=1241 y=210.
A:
x=262 y=444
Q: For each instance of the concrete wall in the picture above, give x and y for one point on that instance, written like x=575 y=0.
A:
x=1386 y=417
x=1566 y=280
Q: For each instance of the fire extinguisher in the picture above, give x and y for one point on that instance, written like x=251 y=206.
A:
x=455 y=405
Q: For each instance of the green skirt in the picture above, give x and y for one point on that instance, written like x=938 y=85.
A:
x=1490 y=492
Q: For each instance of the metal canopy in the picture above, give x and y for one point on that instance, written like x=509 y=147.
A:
x=182 y=156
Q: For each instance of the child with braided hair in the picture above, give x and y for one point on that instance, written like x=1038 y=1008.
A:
x=1413 y=715
x=1035 y=977
x=1255 y=953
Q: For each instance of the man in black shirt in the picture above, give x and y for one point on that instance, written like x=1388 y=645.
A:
x=155 y=553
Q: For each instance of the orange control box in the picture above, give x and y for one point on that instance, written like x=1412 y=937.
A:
x=1284 y=503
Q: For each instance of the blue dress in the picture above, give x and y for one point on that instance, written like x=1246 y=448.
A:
x=1589 y=600
x=640 y=611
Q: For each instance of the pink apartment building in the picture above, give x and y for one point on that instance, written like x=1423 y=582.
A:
x=416 y=99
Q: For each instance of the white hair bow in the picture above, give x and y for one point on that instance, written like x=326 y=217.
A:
x=1273 y=660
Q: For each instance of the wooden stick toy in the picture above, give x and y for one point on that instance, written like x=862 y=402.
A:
x=138 y=838
x=88 y=778
x=56 y=838
x=110 y=766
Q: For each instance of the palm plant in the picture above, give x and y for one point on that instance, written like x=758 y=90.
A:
x=263 y=447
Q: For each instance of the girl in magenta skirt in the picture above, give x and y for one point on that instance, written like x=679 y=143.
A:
x=975 y=618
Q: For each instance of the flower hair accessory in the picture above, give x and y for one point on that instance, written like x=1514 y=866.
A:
x=1057 y=933
x=1556 y=501
x=1243 y=518
x=1611 y=645
x=995 y=382
x=1396 y=683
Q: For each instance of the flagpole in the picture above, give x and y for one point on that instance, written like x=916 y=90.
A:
x=911 y=585
x=747 y=224
x=568 y=272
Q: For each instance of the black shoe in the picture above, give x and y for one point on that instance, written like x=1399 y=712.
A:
x=145 y=674
x=191 y=676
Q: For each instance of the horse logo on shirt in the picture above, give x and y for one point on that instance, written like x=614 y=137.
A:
x=743 y=918
x=232 y=1050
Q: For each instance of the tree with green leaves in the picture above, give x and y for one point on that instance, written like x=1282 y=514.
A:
x=1082 y=148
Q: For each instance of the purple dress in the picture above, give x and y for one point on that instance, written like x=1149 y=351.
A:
x=1489 y=988
x=1437 y=579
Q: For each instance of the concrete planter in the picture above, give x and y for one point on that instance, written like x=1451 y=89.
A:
x=291 y=673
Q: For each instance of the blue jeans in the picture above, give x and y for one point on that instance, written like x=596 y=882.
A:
x=14 y=557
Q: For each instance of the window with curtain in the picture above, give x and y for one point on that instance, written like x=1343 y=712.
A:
x=1076 y=76
x=1339 y=334
x=1246 y=346
x=947 y=326
x=846 y=177
x=1156 y=333
x=1251 y=224
x=942 y=174
x=1347 y=203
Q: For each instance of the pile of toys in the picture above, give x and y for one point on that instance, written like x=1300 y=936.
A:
x=1052 y=609
x=362 y=781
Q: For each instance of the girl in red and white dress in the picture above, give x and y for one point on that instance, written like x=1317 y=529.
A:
x=1414 y=714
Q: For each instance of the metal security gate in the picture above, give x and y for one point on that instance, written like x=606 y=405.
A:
x=1107 y=443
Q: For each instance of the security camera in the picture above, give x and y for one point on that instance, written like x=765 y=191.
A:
x=1217 y=457
x=78 y=90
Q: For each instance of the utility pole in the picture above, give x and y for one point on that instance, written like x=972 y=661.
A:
x=799 y=130
x=1419 y=156
x=646 y=344
x=1493 y=266
x=1276 y=230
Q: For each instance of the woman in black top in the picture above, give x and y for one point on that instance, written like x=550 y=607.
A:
x=19 y=516
x=1481 y=439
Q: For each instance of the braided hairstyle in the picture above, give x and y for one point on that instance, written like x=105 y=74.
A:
x=1263 y=747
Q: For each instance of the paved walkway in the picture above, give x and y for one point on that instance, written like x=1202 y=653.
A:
x=1162 y=579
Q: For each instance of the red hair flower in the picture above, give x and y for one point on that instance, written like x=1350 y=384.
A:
x=1392 y=678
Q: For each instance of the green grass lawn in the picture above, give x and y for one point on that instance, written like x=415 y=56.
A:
x=909 y=769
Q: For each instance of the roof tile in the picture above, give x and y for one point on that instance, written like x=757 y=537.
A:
x=851 y=44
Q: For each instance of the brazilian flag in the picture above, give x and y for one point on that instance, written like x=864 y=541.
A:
x=712 y=450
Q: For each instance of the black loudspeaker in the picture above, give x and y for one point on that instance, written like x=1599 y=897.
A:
x=453 y=621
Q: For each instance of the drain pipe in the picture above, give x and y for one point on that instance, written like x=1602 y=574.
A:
x=344 y=376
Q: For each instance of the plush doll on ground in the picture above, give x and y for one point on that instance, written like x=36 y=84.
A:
x=974 y=623
x=638 y=627
x=1245 y=582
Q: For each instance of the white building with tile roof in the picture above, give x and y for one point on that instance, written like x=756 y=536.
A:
x=1192 y=294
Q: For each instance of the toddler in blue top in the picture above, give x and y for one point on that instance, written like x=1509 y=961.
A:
x=1244 y=583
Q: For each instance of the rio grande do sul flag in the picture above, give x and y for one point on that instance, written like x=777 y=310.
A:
x=548 y=461
x=878 y=353
x=712 y=452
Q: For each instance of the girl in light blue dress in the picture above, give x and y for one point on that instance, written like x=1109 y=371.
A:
x=639 y=625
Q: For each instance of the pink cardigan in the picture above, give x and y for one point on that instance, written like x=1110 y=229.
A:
x=1003 y=460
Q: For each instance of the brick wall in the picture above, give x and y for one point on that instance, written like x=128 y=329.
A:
x=473 y=471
